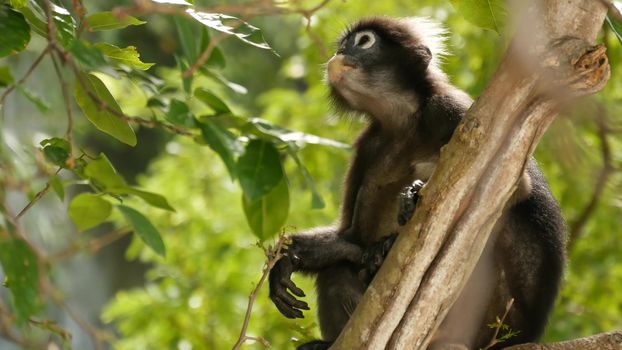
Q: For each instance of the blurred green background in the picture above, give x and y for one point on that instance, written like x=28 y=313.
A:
x=196 y=297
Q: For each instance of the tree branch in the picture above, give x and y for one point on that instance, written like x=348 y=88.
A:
x=602 y=341
x=578 y=226
x=273 y=255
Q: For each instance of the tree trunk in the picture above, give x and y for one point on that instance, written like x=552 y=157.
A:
x=550 y=61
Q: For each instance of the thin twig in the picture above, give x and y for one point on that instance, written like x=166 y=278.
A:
x=499 y=325
x=273 y=255
x=613 y=10
x=92 y=246
x=67 y=100
x=97 y=336
x=578 y=226
x=51 y=325
x=36 y=198
x=205 y=55
x=247 y=9
x=101 y=104
x=28 y=72
x=7 y=333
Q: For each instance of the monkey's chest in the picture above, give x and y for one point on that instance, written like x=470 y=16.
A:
x=378 y=198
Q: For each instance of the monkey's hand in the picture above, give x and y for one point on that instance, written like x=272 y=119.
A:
x=280 y=280
x=408 y=201
x=374 y=255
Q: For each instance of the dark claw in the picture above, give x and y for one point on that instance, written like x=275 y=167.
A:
x=315 y=345
x=280 y=287
x=374 y=255
x=408 y=201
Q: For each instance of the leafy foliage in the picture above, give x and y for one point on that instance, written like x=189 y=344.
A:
x=489 y=14
x=21 y=277
x=197 y=212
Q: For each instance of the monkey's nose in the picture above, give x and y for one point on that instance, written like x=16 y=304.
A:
x=337 y=65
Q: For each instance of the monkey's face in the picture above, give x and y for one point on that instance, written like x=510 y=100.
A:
x=377 y=69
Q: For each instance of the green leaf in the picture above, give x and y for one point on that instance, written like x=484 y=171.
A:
x=216 y=58
x=222 y=141
x=213 y=101
x=264 y=128
x=487 y=14
x=15 y=31
x=184 y=66
x=127 y=56
x=232 y=26
x=37 y=24
x=616 y=27
x=89 y=56
x=144 y=228
x=237 y=88
x=108 y=21
x=102 y=118
x=317 y=202
x=58 y=187
x=151 y=198
x=17 y=4
x=22 y=277
x=56 y=151
x=6 y=78
x=179 y=113
x=101 y=172
x=267 y=214
x=65 y=26
x=42 y=105
x=87 y=210
x=186 y=31
x=193 y=45
x=259 y=169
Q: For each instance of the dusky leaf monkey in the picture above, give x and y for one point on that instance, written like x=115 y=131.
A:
x=387 y=70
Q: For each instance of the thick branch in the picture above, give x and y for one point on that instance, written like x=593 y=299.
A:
x=477 y=172
x=603 y=341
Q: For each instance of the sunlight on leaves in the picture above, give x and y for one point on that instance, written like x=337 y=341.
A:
x=88 y=210
x=144 y=229
x=108 y=21
x=232 y=26
x=102 y=118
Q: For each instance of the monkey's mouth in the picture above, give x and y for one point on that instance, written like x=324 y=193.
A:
x=338 y=65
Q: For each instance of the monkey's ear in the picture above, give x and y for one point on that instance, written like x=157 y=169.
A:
x=424 y=54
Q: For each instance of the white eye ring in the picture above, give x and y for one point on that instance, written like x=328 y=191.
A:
x=364 y=39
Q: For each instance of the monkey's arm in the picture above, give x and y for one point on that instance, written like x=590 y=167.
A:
x=308 y=252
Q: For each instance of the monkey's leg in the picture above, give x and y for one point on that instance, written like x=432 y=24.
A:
x=315 y=345
x=408 y=201
x=308 y=253
x=532 y=256
x=374 y=255
x=339 y=291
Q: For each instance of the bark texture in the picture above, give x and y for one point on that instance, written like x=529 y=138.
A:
x=603 y=341
x=550 y=61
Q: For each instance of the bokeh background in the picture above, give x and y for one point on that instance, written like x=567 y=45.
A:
x=196 y=297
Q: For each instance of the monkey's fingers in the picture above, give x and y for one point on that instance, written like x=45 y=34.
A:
x=408 y=201
x=286 y=310
x=293 y=288
x=282 y=294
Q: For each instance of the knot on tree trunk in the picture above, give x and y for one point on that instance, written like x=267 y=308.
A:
x=574 y=67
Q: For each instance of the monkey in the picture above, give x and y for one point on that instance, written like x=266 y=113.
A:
x=387 y=70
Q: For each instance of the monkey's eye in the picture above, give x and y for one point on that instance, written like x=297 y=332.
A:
x=364 y=39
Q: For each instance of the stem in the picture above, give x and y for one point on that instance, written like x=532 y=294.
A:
x=30 y=70
x=273 y=256
x=67 y=101
x=494 y=340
